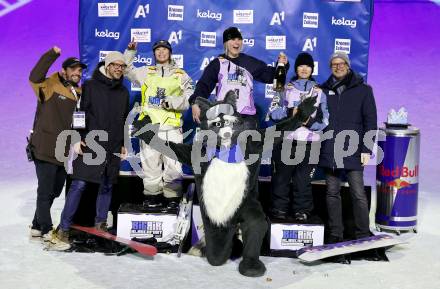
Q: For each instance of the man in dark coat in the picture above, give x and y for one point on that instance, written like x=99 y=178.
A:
x=105 y=103
x=57 y=96
x=352 y=111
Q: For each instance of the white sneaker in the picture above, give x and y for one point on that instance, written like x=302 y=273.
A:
x=35 y=233
x=48 y=236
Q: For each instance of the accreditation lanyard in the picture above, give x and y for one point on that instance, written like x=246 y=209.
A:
x=79 y=117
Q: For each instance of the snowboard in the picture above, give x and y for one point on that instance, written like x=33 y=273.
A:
x=315 y=253
x=143 y=249
x=184 y=218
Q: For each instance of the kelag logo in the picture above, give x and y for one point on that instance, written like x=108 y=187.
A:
x=342 y=45
x=106 y=34
x=243 y=16
x=108 y=10
x=249 y=42
x=208 y=39
x=175 y=12
x=344 y=22
x=141 y=34
x=310 y=20
x=144 y=60
x=209 y=15
x=276 y=42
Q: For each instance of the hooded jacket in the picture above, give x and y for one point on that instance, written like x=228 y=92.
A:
x=105 y=102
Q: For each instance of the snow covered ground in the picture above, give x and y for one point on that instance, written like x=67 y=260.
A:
x=403 y=70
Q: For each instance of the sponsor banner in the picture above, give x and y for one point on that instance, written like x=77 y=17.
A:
x=108 y=9
x=178 y=59
x=342 y=45
x=208 y=14
x=295 y=236
x=208 y=39
x=243 y=16
x=175 y=12
x=195 y=32
x=140 y=34
x=146 y=225
x=310 y=20
x=277 y=42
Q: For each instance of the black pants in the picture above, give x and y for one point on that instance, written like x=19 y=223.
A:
x=301 y=174
x=51 y=179
x=219 y=239
x=358 y=198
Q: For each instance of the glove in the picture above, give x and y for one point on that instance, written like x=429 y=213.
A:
x=306 y=108
x=279 y=113
x=140 y=132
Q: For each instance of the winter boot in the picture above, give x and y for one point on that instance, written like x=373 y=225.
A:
x=154 y=201
x=277 y=214
x=341 y=259
x=101 y=226
x=251 y=267
x=60 y=240
x=172 y=203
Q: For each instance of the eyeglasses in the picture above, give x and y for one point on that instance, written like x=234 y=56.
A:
x=338 y=65
x=119 y=66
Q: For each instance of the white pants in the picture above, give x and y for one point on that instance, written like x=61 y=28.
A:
x=161 y=173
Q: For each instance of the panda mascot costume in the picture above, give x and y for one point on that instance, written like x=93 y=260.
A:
x=225 y=159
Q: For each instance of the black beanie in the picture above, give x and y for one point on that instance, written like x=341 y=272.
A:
x=304 y=59
x=231 y=33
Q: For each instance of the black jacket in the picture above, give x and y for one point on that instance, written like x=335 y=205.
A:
x=105 y=102
x=353 y=109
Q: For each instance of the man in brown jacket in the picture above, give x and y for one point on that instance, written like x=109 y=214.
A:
x=57 y=98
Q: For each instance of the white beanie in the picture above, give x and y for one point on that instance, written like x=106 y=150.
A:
x=112 y=57
x=342 y=55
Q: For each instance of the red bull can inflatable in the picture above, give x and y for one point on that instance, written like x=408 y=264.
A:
x=397 y=179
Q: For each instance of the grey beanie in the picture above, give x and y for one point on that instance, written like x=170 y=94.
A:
x=112 y=57
x=341 y=55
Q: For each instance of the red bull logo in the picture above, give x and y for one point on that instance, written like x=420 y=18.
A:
x=399 y=172
x=398 y=184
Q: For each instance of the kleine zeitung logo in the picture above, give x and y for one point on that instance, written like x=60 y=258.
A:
x=310 y=20
x=175 y=12
x=342 y=45
x=208 y=39
x=103 y=54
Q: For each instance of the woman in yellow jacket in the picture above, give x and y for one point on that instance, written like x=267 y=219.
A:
x=165 y=92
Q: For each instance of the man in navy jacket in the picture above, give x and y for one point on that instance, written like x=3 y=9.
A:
x=352 y=111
